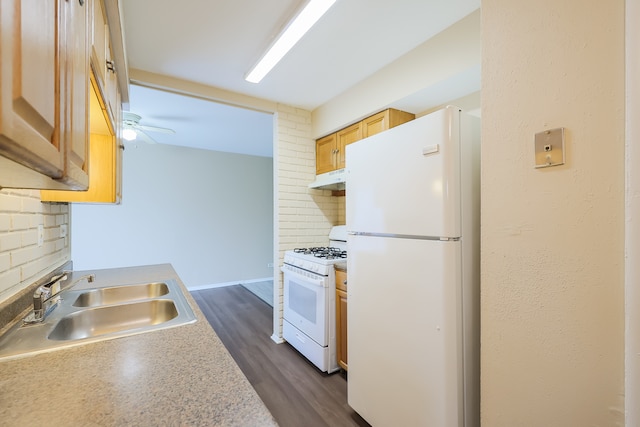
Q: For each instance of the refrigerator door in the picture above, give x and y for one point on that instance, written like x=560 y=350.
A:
x=406 y=180
x=404 y=329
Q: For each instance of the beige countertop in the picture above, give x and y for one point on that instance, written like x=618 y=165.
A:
x=181 y=376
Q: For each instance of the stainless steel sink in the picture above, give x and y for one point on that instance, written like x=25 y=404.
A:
x=120 y=294
x=95 y=322
x=101 y=313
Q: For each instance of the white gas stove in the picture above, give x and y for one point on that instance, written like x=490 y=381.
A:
x=309 y=310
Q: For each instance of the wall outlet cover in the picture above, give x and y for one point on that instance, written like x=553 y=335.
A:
x=549 y=148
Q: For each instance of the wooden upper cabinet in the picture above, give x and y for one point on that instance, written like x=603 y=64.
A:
x=384 y=120
x=105 y=174
x=43 y=73
x=77 y=91
x=326 y=154
x=98 y=41
x=330 y=150
x=31 y=108
x=105 y=111
x=345 y=137
x=103 y=59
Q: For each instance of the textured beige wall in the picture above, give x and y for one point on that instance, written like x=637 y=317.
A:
x=553 y=239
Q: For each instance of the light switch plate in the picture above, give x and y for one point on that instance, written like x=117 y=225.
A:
x=549 y=148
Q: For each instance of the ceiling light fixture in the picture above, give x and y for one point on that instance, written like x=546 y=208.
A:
x=297 y=28
x=129 y=134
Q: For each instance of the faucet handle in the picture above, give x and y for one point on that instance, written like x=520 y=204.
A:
x=54 y=284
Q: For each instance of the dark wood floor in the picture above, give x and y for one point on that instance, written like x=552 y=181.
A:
x=294 y=390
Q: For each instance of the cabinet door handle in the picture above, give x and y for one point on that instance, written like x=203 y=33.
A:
x=111 y=66
x=81 y=2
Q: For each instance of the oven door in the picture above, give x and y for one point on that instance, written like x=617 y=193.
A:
x=305 y=304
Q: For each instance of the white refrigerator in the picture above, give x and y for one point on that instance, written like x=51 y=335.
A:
x=413 y=273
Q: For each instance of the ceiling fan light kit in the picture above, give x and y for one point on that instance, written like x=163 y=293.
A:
x=132 y=129
x=294 y=31
x=129 y=134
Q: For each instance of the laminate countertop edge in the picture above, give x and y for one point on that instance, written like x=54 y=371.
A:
x=182 y=376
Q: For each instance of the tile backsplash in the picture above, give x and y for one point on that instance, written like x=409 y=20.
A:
x=26 y=255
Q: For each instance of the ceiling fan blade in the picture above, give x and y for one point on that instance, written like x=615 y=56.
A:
x=130 y=118
x=155 y=129
x=140 y=135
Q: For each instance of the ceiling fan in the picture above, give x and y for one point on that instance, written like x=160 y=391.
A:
x=132 y=129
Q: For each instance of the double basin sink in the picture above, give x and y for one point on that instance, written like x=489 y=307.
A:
x=91 y=315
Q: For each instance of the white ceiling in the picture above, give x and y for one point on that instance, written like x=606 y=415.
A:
x=215 y=42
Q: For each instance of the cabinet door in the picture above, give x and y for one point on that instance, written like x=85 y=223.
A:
x=30 y=104
x=345 y=137
x=341 y=325
x=98 y=41
x=326 y=154
x=384 y=120
x=341 y=280
x=375 y=124
x=76 y=137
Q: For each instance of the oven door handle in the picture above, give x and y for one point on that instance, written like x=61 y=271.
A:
x=311 y=280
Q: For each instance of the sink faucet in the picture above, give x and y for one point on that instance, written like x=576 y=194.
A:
x=45 y=297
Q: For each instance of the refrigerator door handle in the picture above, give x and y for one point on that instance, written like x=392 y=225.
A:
x=403 y=236
x=431 y=149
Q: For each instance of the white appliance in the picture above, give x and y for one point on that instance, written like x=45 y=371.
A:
x=413 y=270
x=309 y=310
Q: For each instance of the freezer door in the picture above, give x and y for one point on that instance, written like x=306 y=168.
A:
x=404 y=311
x=406 y=180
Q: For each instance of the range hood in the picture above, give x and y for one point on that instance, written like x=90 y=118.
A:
x=333 y=180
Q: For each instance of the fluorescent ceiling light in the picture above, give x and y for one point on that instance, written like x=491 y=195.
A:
x=311 y=13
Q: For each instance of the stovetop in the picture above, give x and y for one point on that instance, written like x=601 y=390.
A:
x=316 y=260
x=323 y=252
x=320 y=259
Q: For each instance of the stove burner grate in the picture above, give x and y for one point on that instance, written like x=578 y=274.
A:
x=322 y=252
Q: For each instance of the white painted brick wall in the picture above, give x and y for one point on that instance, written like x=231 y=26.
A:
x=303 y=216
x=22 y=261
